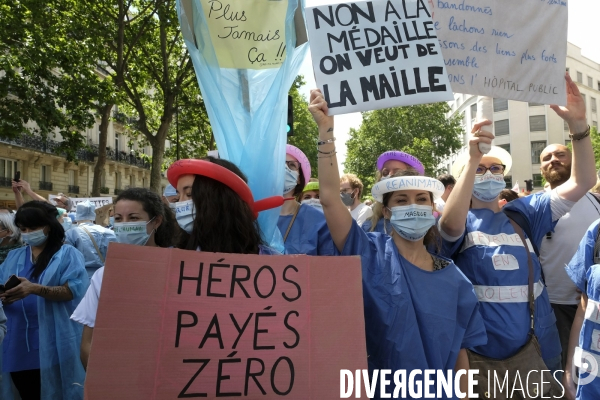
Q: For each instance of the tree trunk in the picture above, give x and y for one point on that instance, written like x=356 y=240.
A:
x=101 y=161
x=158 y=154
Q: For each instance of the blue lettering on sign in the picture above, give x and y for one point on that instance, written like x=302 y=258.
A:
x=461 y=6
x=557 y=2
x=502 y=52
x=467 y=62
x=445 y=44
x=548 y=58
x=453 y=26
x=456 y=79
x=502 y=34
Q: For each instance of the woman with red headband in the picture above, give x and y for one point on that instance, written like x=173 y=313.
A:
x=216 y=209
x=303 y=227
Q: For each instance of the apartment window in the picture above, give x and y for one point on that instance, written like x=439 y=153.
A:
x=500 y=105
x=45 y=173
x=508 y=180
x=595 y=124
x=579 y=77
x=116 y=142
x=72 y=177
x=131 y=181
x=505 y=147
x=584 y=99
x=473 y=112
x=7 y=169
x=501 y=127
x=536 y=150
x=537 y=123
x=566 y=125
x=598 y=85
x=537 y=180
x=535 y=104
x=593 y=104
x=117 y=180
x=590 y=82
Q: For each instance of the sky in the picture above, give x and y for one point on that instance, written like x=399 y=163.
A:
x=583 y=20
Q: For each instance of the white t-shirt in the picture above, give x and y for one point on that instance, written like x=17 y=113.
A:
x=85 y=313
x=439 y=204
x=555 y=253
x=361 y=213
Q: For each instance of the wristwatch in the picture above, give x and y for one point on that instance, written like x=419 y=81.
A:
x=580 y=135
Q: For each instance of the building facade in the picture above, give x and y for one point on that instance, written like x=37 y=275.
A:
x=525 y=129
x=48 y=172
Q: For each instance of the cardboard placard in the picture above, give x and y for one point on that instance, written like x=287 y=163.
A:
x=508 y=49
x=369 y=55
x=174 y=324
x=247 y=34
x=96 y=201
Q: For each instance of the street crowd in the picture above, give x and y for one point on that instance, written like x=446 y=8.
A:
x=456 y=269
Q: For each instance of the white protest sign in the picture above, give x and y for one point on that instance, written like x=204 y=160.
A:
x=509 y=49
x=96 y=201
x=369 y=55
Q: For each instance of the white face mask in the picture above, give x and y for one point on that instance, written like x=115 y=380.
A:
x=316 y=203
x=488 y=186
x=185 y=213
x=132 y=232
x=291 y=180
x=412 y=222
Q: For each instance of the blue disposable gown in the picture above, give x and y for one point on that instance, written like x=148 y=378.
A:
x=82 y=242
x=414 y=319
x=586 y=276
x=309 y=233
x=491 y=254
x=59 y=338
x=366 y=226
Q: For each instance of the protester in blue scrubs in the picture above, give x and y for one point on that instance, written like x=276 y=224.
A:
x=388 y=164
x=484 y=244
x=41 y=349
x=302 y=227
x=584 y=348
x=142 y=219
x=420 y=310
x=216 y=209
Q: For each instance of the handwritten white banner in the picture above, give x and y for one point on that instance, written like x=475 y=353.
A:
x=96 y=201
x=369 y=55
x=510 y=49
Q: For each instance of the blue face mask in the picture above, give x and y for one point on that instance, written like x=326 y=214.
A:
x=184 y=212
x=412 y=222
x=291 y=180
x=111 y=221
x=35 y=238
x=488 y=186
x=67 y=224
x=316 y=203
x=132 y=232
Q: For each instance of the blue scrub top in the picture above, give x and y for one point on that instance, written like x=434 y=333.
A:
x=491 y=254
x=20 y=350
x=366 y=226
x=414 y=319
x=586 y=276
x=79 y=239
x=309 y=233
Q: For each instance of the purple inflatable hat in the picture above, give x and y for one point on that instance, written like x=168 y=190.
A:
x=406 y=158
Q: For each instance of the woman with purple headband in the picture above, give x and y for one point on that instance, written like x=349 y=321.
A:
x=388 y=164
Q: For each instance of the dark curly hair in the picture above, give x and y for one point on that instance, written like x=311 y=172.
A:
x=223 y=222
x=166 y=233
x=39 y=214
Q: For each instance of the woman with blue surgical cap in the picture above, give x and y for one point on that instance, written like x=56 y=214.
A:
x=90 y=239
x=303 y=227
x=41 y=349
x=170 y=195
x=141 y=219
x=487 y=244
x=421 y=313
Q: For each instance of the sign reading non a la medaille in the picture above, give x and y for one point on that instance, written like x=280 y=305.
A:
x=179 y=324
x=376 y=54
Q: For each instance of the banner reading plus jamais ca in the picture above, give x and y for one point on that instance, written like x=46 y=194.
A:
x=177 y=324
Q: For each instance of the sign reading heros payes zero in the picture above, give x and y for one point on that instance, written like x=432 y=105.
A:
x=175 y=324
x=376 y=54
x=247 y=34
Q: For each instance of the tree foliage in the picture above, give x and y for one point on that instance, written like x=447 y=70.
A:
x=422 y=130
x=306 y=132
x=596 y=146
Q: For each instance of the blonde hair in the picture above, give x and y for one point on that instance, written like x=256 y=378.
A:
x=354 y=181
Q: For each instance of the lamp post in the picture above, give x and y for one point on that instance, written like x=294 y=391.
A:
x=177 y=122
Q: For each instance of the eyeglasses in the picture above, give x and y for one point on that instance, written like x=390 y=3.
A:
x=293 y=165
x=495 y=169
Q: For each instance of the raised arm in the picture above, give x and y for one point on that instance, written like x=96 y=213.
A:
x=337 y=216
x=583 y=165
x=18 y=195
x=456 y=209
x=27 y=188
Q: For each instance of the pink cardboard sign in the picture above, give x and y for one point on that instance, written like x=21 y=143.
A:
x=179 y=324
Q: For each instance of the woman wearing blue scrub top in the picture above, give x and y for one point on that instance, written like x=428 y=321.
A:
x=483 y=242
x=420 y=310
x=41 y=348
x=302 y=227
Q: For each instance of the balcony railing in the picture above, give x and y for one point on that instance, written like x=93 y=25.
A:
x=73 y=189
x=5 y=182
x=84 y=154
x=45 y=185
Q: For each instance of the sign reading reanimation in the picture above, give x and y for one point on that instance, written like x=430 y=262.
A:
x=376 y=54
x=176 y=324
